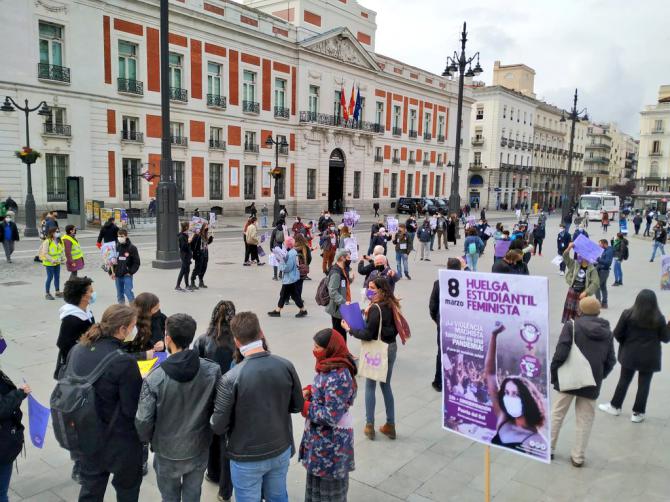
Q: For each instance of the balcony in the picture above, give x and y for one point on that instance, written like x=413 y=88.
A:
x=130 y=86
x=597 y=160
x=396 y=131
x=476 y=166
x=440 y=163
x=250 y=147
x=251 y=107
x=427 y=136
x=411 y=162
x=395 y=160
x=52 y=129
x=178 y=94
x=595 y=146
x=477 y=141
x=216 y=101
x=440 y=138
x=656 y=154
x=412 y=134
x=544 y=148
x=281 y=112
x=323 y=119
x=503 y=141
x=426 y=162
x=379 y=158
x=179 y=140
x=524 y=145
x=283 y=149
x=517 y=144
x=217 y=144
x=132 y=136
x=658 y=130
x=537 y=146
x=53 y=72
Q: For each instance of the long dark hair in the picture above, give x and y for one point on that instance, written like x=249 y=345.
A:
x=219 y=325
x=385 y=293
x=645 y=311
x=143 y=304
x=531 y=400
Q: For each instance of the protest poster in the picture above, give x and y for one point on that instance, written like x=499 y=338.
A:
x=352 y=314
x=392 y=224
x=109 y=255
x=494 y=337
x=212 y=219
x=501 y=247
x=587 y=249
x=665 y=273
x=623 y=226
x=351 y=245
x=489 y=231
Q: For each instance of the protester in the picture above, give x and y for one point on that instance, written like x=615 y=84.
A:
x=620 y=245
x=298 y=226
x=259 y=439
x=580 y=231
x=117 y=394
x=375 y=207
x=649 y=218
x=637 y=222
x=367 y=264
x=150 y=337
x=382 y=269
x=442 y=231
x=659 y=240
x=379 y=323
x=185 y=255
x=539 y=234
x=291 y=287
x=640 y=332
x=217 y=345
x=345 y=233
x=339 y=289
x=152 y=207
x=74 y=256
x=432 y=220
x=605 y=221
x=452 y=229
x=582 y=279
x=380 y=238
x=403 y=246
x=483 y=232
x=304 y=259
x=108 y=233
x=508 y=264
x=329 y=245
x=252 y=210
x=51 y=254
x=327 y=446
x=11 y=429
x=11 y=205
x=324 y=221
x=473 y=247
x=251 y=243
x=9 y=235
x=591 y=335
x=562 y=241
x=424 y=235
x=173 y=414
x=200 y=250
x=264 y=216
x=411 y=227
x=277 y=240
x=127 y=265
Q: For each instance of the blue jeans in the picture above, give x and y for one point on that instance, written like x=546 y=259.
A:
x=264 y=221
x=401 y=263
x=5 y=476
x=124 y=289
x=371 y=387
x=471 y=260
x=53 y=273
x=618 y=273
x=268 y=477
x=657 y=246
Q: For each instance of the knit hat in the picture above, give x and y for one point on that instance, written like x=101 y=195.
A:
x=340 y=253
x=589 y=305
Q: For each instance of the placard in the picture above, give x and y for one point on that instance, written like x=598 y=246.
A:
x=392 y=224
x=587 y=249
x=351 y=245
x=665 y=273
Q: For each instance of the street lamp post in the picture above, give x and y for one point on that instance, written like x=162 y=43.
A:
x=276 y=172
x=457 y=63
x=9 y=106
x=574 y=116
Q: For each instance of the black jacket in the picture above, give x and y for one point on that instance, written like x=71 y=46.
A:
x=71 y=329
x=562 y=241
x=15 y=231
x=660 y=235
x=119 y=385
x=639 y=347
x=207 y=348
x=502 y=267
x=434 y=303
x=108 y=233
x=196 y=246
x=11 y=429
x=257 y=432
x=365 y=268
x=128 y=262
x=185 y=251
x=594 y=339
x=389 y=331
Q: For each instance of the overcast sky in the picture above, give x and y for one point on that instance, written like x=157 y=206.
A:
x=616 y=52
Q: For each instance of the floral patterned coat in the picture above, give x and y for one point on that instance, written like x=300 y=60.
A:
x=327 y=449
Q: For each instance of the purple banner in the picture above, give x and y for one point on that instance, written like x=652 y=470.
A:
x=501 y=247
x=587 y=249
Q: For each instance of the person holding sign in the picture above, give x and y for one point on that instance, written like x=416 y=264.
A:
x=582 y=279
x=517 y=404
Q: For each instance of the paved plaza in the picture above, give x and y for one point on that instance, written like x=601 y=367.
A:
x=624 y=461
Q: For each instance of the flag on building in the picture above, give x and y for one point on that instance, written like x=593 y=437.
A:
x=343 y=104
x=352 y=102
x=359 y=104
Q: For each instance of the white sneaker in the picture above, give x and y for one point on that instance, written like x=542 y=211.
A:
x=608 y=408
x=561 y=273
x=637 y=418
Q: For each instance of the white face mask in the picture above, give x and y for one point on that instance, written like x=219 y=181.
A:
x=57 y=235
x=122 y=240
x=513 y=405
x=8 y=219
x=131 y=336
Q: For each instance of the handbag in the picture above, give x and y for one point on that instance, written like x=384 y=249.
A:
x=575 y=373
x=374 y=360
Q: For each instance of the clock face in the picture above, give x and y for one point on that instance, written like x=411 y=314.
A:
x=509 y=76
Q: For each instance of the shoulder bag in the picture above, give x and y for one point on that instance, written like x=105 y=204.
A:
x=374 y=360
x=575 y=373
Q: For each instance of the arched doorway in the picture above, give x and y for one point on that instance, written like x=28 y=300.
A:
x=336 y=181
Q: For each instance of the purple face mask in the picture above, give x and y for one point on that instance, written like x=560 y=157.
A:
x=370 y=293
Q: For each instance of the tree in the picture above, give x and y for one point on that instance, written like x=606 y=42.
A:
x=623 y=191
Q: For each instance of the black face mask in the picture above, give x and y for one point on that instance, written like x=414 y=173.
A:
x=380 y=268
x=347 y=263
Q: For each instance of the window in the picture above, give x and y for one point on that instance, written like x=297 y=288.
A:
x=216 y=181
x=656 y=147
x=412 y=159
x=357 y=184
x=478 y=158
x=313 y=99
x=51 y=44
x=410 y=185
x=311 y=183
x=176 y=62
x=396 y=117
x=658 y=125
x=55 y=121
x=131 y=179
x=180 y=177
x=396 y=156
x=361 y=114
x=438 y=185
x=214 y=73
x=440 y=126
x=524 y=117
x=412 y=120
x=130 y=128
x=424 y=185
x=281 y=184
x=176 y=131
x=378 y=154
x=511 y=113
x=653 y=170
x=216 y=138
x=250 y=141
x=394 y=185
x=337 y=106
x=280 y=93
x=480 y=113
x=504 y=111
x=379 y=113
x=57 y=171
x=426 y=123
x=127 y=60
x=249 y=87
x=249 y=182
x=376 y=182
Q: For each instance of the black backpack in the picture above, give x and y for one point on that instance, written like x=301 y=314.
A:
x=76 y=423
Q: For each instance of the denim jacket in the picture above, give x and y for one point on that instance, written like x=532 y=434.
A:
x=290 y=270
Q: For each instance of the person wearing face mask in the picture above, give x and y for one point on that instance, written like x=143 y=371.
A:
x=290 y=281
x=425 y=234
x=52 y=255
x=128 y=263
x=74 y=256
x=117 y=394
x=9 y=235
x=339 y=289
x=327 y=447
x=582 y=279
x=150 y=327
x=382 y=270
x=403 y=246
x=518 y=407
x=298 y=227
x=329 y=244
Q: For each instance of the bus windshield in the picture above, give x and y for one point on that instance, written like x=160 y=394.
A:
x=589 y=203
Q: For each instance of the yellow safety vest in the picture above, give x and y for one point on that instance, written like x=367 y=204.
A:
x=76 y=251
x=54 y=254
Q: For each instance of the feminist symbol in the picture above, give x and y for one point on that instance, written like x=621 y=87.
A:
x=529 y=334
x=373 y=361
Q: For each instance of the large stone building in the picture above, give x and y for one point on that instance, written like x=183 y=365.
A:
x=611 y=157
x=238 y=74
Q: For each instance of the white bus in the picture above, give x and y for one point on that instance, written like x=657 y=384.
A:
x=594 y=204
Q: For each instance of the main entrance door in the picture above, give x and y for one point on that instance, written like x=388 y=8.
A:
x=336 y=182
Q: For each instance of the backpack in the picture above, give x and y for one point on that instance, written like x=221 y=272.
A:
x=322 y=296
x=472 y=248
x=76 y=423
x=303 y=268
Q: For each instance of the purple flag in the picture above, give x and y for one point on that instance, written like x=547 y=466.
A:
x=587 y=249
x=162 y=356
x=38 y=419
x=502 y=247
x=3 y=345
x=352 y=314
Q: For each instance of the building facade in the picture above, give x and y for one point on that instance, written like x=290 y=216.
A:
x=238 y=75
x=611 y=157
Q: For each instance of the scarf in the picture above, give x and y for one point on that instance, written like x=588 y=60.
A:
x=336 y=356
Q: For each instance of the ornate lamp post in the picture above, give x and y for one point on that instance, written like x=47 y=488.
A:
x=28 y=157
x=574 y=116
x=276 y=171
x=457 y=64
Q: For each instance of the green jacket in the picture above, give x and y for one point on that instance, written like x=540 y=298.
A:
x=592 y=280
x=337 y=292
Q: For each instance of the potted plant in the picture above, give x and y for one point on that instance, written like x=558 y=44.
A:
x=27 y=155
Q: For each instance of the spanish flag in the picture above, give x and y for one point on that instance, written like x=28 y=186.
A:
x=343 y=104
x=352 y=102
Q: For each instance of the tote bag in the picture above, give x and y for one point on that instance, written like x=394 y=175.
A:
x=575 y=373
x=374 y=360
